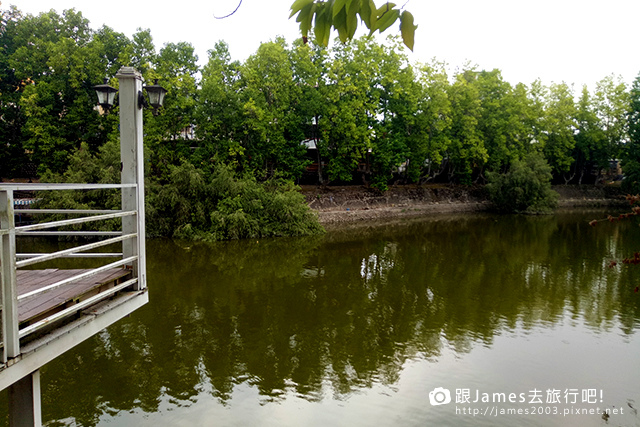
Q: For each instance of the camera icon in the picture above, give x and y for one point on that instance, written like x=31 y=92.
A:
x=439 y=396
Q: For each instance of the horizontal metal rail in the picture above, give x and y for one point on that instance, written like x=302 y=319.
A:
x=87 y=247
x=71 y=233
x=66 y=211
x=62 y=186
x=81 y=255
x=90 y=273
x=74 y=308
x=25 y=228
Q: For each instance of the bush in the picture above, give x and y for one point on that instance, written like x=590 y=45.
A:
x=187 y=202
x=631 y=165
x=225 y=207
x=631 y=182
x=526 y=187
x=101 y=168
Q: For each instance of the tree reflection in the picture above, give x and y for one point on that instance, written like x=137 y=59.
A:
x=346 y=309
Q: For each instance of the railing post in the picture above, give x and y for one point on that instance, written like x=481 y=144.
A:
x=9 y=294
x=132 y=158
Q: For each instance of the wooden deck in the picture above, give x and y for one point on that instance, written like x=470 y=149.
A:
x=33 y=309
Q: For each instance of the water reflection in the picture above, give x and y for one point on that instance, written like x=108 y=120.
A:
x=341 y=312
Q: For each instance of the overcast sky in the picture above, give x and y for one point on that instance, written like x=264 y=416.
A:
x=575 y=41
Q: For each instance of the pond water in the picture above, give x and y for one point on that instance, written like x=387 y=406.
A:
x=518 y=320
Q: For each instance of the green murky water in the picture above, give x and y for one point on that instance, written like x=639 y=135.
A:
x=362 y=327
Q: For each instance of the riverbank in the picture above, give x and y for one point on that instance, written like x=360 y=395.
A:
x=349 y=204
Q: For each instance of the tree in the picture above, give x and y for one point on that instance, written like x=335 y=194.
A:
x=502 y=120
x=346 y=131
x=141 y=52
x=168 y=136
x=559 y=127
x=309 y=64
x=611 y=105
x=431 y=139
x=397 y=93
x=219 y=112
x=631 y=152
x=58 y=61
x=13 y=159
x=269 y=97
x=591 y=148
x=342 y=15
x=535 y=119
x=222 y=206
x=526 y=187
x=467 y=151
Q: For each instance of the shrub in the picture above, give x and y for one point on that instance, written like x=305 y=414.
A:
x=188 y=202
x=526 y=187
x=225 y=206
x=84 y=166
x=631 y=169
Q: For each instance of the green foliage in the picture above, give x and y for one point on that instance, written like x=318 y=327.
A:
x=430 y=138
x=559 y=124
x=611 y=105
x=631 y=181
x=631 y=153
x=187 y=202
x=84 y=166
x=167 y=135
x=12 y=155
x=591 y=147
x=467 y=145
x=342 y=15
x=218 y=113
x=525 y=187
x=396 y=92
x=505 y=133
x=269 y=94
x=223 y=206
x=345 y=129
x=54 y=60
x=253 y=117
x=374 y=117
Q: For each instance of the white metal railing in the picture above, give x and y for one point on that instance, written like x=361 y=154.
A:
x=10 y=260
x=22 y=364
x=71 y=251
x=74 y=308
x=89 y=273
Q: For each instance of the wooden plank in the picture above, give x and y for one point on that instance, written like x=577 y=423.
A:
x=64 y=296
x=34 y=278
x=86 y=274
x=79 y=306
x=32 y=309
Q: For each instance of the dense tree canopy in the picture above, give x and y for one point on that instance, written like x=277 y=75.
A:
x=631 y=151
x=354 y=112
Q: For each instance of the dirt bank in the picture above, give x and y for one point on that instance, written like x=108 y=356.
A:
x=336 y=205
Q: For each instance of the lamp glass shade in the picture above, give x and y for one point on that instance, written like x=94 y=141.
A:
x=106 y=94
x=156 y=95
